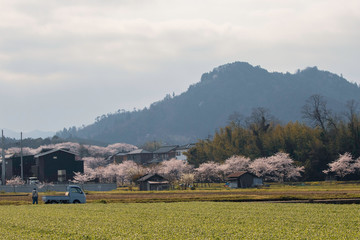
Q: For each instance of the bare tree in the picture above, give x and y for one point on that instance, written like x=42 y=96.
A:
x=260 y=120
x=317 y=113
x=354 y=125
x=236 y=119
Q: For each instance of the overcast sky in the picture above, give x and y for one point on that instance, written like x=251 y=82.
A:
x=63 y=63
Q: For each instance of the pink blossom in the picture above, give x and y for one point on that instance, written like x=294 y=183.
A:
x=209 y=172
x=15 y=181
x=235 y=164
x=344 y=165
x=82 y=178
x=173 y=169
x=279 y=167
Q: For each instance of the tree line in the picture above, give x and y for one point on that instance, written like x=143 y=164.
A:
x=279 y=167
x=312 y=145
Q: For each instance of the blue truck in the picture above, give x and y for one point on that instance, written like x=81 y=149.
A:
x=74 y=194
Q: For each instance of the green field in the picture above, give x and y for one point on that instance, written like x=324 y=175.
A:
x=183 y=220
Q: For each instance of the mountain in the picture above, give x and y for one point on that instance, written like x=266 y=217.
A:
x=232 y=88
x=31 y=134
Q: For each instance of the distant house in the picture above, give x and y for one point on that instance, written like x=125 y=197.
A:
x=244 y=179
x=140 y=156
x=119 y=157
x=164 y=153
x=13 y=166
x=153 y=182
x=183 y=149
x=57 y=165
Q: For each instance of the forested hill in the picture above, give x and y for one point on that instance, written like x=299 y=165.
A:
x=232 y=88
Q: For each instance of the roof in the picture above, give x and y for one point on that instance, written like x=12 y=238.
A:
x=162 y=182
x=7 y=156
x=18 y=155
x=148 y=176
x=52 y=151
x=138 y=151
x=186 y=147
x=122 y=153
x=156 y=160
x=238 y=174
x=165 y=149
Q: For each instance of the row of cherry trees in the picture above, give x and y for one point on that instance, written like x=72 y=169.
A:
x=83 y=150
x=279 y=167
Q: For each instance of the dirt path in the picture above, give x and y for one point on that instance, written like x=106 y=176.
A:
x=169 y=196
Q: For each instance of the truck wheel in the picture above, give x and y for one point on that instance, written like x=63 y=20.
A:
x=53 y=202
x=76 y=201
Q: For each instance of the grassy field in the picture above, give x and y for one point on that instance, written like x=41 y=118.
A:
x=182 y=220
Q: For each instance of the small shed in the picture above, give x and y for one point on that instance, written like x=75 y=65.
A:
x=153 y=182
x=244 y=179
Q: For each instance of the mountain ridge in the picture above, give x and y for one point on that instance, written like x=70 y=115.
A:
x=206 y=106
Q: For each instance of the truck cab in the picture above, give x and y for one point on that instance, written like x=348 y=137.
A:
x=76 y=195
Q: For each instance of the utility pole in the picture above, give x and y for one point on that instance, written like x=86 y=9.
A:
x=21 y=157
x=3 y=158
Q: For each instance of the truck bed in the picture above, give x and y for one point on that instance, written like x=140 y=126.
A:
x=56 y=199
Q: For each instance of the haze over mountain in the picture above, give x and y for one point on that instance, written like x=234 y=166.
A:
x=31 y=134
x=231 y=88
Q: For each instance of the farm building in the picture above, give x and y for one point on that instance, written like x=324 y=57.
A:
x=153 y=182
x=183 y=149
x=57 y=165
x=13 y=166
x=164 y=153
x=140 y=156
x=119 y=157
x=244 y=179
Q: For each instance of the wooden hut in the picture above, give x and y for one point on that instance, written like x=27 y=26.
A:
x=153 y=182
x=244 y=179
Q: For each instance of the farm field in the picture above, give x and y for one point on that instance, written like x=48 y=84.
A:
x=216 y=192
x=182 y=220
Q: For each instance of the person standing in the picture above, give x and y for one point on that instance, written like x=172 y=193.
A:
x=35 y=196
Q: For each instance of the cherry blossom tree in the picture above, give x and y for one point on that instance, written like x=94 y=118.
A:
x=187 y=179
x=235 y=164
x=283 y=167
x=279 y=167
x=173 y=169
x=154 y=168
x=15 y=181
x=105 y=174
x=26 y=151
x=343 y=166
x=45 y=185
x=82 y=178
x=261 y=167
x=208 y=172
x=129 y=171
x=91 y=150
x=94 y=162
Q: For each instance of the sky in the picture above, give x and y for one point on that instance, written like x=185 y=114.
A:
x=63 y=63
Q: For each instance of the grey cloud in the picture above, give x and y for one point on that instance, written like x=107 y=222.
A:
x=80 y=59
